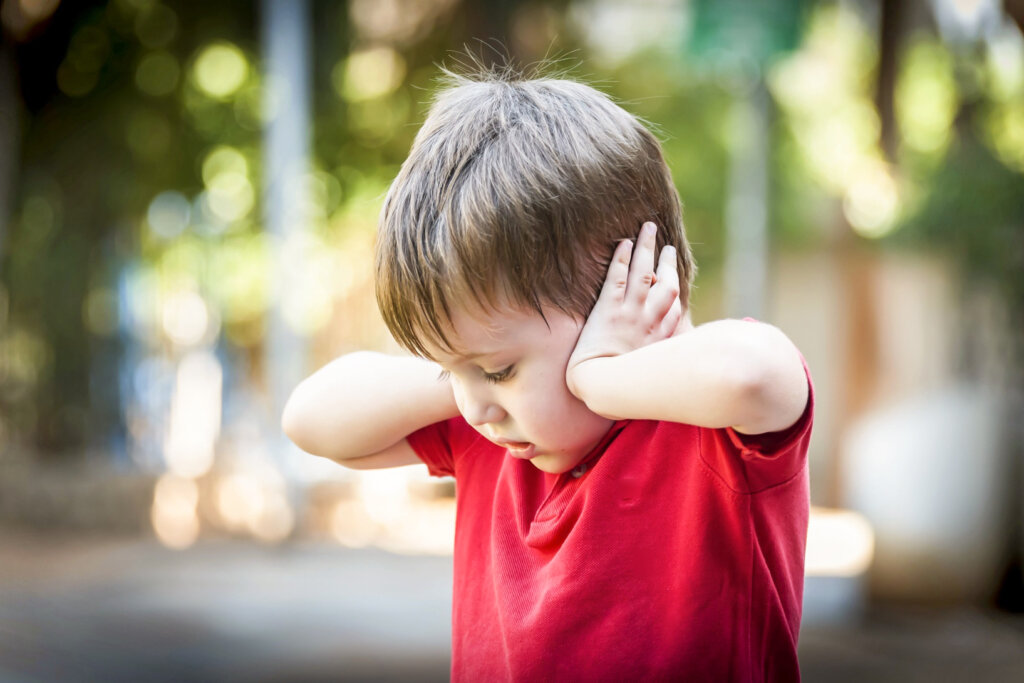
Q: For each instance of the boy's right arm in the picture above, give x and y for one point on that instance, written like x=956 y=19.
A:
x=358 y=409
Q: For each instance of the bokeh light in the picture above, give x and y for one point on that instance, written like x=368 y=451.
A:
x=1005 y=63
x=156 y=24
x=823 y=89
x=230 y=195
x=24 y=358
x=19 y=18
x=239 y=500
x=385 y=494
x=220 y=70
x=194 y=421
x=173 y=513
x=100 y=311
x=168 y=214
x=1006 y=131
x=186 y=318
x=369 y=74
x=74 y=82
x=311 y=266
x=839 y=543
x=239 y=284
x=872 y=201
x=399 y=22
x=223 y=159
x=926 y=97
x=89 y=49
x=350 y=525
x=157 y=73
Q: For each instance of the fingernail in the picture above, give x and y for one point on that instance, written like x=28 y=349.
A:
x=650 y=228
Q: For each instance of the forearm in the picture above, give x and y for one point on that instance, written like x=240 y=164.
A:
x=728 y=373
x=365 y=402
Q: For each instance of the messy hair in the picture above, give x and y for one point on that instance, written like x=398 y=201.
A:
x=516 y=192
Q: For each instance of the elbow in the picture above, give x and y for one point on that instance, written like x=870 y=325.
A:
x=289 y=416
x=772 y=393
x=750 y=391
x=293 y=423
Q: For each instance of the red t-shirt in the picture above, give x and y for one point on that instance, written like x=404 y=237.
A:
x=672 y=552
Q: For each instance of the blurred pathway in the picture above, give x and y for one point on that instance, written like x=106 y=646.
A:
x=135 y=611
x=917 y=644
x=131 y=610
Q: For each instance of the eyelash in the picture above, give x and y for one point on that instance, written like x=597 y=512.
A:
x=500 y=376
x=492 y=377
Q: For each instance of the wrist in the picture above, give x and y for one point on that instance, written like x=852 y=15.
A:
x=585 y=381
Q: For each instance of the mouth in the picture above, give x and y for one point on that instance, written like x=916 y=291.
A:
x=519 y=449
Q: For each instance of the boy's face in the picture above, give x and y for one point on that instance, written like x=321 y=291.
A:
x=509 y=384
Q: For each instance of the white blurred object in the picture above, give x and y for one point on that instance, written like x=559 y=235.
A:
x=840 y=547
x=194 y=422
x=965 y=21
x=839 y=543
x=931 y=476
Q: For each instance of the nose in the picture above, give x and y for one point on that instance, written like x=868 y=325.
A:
x=478 y=408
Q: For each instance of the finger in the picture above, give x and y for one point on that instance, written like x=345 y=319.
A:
x=618 y=271
x=668 y=270
x=641 y=271
x=671 y=321
x=665 y=291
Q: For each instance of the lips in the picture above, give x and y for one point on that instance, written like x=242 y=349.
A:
x=518 y=449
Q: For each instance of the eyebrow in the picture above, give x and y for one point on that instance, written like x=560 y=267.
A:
x=468 y=357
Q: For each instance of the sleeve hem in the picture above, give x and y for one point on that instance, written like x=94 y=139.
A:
x=771 y=445
x=431 y=445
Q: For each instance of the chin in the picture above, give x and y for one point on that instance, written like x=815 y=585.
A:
x=554 y=464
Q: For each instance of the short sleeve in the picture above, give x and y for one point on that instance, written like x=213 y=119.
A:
x=749 y=463
x=773 y=445
x=439 y=445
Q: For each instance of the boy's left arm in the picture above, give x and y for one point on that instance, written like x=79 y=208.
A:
x=638 y=357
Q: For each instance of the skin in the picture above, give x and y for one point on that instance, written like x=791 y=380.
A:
x=553 y=388
x=638 y=358
x=509 y=384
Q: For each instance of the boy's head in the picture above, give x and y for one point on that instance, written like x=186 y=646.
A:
x=495 y=240
x=515 y=194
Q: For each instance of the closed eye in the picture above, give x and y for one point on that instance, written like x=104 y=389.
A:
x=501 y=375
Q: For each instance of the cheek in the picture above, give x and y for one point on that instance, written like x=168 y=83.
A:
x=458 y=394
x=550 y=410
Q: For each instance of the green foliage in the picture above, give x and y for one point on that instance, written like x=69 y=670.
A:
x=973 y=210
x=141 y=168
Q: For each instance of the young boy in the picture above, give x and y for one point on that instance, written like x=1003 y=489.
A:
x=632 y=491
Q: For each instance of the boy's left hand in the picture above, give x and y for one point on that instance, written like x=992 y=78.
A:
x=637 y=305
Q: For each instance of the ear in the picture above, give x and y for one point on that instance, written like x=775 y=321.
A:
x=685 y=324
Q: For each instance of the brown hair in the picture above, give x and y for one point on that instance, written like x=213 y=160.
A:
x=517 y=191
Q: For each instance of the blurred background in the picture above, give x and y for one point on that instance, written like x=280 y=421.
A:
x=188 y=200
